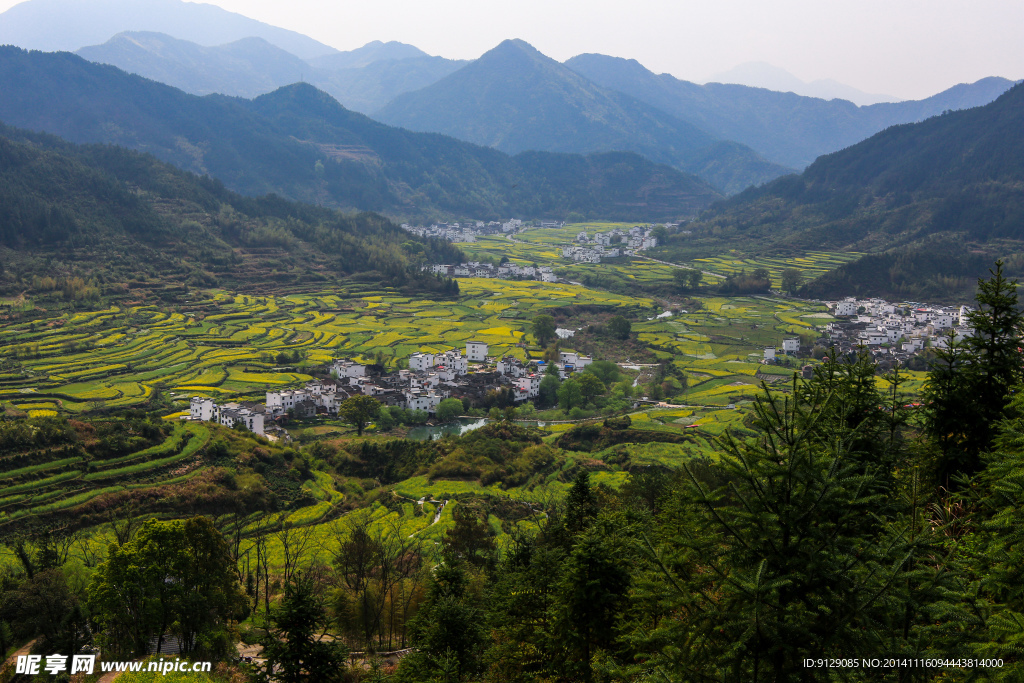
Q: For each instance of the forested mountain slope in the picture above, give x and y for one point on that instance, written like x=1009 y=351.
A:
x=936 y=199
x=300 y=143
x=786 y=128
x=91 y=218
x=514 y=98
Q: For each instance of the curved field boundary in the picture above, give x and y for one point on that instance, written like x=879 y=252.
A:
x=162 y=447
x=65 y=503
x=40 y=467
x=40 y=483
x=167 y=482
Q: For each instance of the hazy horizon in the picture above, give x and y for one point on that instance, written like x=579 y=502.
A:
x=909 y=50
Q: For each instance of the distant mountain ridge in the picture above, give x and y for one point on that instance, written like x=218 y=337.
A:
x=770 y=77
x=68 y=25
x=787 y=128
x=300 y=143
x=514 y=98
x=244 y=68
x=362 y=79
x=374 y=51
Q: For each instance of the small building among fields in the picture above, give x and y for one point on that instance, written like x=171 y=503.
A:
x=476 y=351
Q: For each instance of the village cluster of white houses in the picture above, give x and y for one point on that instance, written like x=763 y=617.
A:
x=904 y=329
x=464 y=232
x=611 y=244
x=887 y=329
x=429 y=379
x=505 y=271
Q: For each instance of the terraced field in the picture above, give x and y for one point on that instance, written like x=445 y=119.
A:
x=811 y=264
x=543 y=247
x=232 y=347
x=54 y=483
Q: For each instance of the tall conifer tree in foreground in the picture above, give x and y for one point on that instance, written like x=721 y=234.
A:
x=971 y=382
x=804 y=552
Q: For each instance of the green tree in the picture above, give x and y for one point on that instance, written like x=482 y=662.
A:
x=386 y=420
x=619 y=327
x=791 y=278
x=781 y=557
x=295 y=651
x=544 y=329
x=686 y=279
x=359 y=411
x=470 y=538
x=580 y=504
x=695 y=277
x=590 y=386
x=605 y=370
x=569 y=395
x=998 y=495
x=448 y=629
x=44 y=604
x=172 y=577
x=969 y=385
x=591 y=595
x=449 y=409
x=549 y=390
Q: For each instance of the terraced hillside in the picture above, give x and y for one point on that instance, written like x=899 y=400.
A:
x=646 y=273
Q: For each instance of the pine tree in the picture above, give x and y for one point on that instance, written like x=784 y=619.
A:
x=786 y=560
x=447 y=630
x=970 y=385
x=580 y=504
x=295 y=652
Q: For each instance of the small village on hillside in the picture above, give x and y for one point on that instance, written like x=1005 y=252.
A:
x=505 y=271
x=429 y=379
x=895 y=331
x=611 y=244
x=470 y=230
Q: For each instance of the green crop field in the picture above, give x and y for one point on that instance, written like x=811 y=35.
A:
x=230 y=346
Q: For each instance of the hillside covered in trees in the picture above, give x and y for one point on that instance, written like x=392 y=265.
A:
x=931 y=200
x=95 y=218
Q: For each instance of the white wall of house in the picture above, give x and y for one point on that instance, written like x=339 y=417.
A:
x=476 y=352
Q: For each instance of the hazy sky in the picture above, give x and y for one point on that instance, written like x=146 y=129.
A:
x=906 y=48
